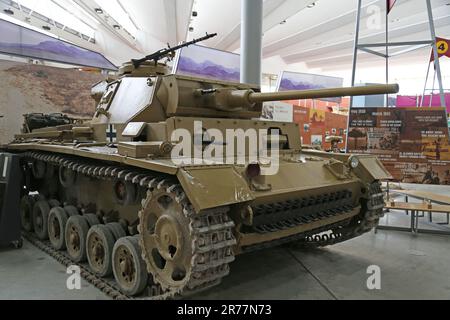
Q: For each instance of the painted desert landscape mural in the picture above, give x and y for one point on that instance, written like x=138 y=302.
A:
x=26 y=88
x=198 y=61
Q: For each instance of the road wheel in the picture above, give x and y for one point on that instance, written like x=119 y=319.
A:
x=72 y=211
x=57 y=220
x=26 y=212
x=100 y=244
x=117 y=230
x=75 y=235
x=129 y=269
x=41 y=211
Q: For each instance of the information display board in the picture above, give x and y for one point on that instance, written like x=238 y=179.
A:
x=413 y=143
x=278 y=111
x=315 y=125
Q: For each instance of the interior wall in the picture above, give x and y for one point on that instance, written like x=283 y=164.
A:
x=27 y=88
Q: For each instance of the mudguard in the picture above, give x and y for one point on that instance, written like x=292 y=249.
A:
x=214 y=186
x=370 y=169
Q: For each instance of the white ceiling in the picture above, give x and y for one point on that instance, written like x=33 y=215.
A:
x=296 y=37
x=321 y=36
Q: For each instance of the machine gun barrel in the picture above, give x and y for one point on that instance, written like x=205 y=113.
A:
x=323 y=93
x=164 y=52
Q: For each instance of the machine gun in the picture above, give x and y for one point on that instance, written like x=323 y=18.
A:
x=158 y=55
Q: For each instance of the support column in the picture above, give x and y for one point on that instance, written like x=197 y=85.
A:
x=437 y=65
x=251 y=41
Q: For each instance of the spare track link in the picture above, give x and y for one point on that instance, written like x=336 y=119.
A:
x=204 y=227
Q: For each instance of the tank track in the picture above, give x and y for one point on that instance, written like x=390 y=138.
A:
x=284 y=215
x=211 y=258
x=372 y=212
x=106 y=286
x=213 y=241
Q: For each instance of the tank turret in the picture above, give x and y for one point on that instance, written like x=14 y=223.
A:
x=159 y=98
x=236 y=100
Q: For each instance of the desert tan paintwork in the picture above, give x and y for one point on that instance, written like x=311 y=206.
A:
x=145 y=108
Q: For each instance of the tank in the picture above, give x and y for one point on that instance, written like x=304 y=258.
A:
x=117 y=193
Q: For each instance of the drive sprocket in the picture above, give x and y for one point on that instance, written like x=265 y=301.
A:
x=184 y=251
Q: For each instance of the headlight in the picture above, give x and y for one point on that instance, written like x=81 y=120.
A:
x=354 y=162
x=253 y=170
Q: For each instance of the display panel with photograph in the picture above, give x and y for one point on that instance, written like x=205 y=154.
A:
x=278 y=111
x=309 y=128
x=306 y=81
x=204 y=62
x=20 y=41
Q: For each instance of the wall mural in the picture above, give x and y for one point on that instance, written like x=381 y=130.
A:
x=26 y=88
x=199 y=61
x=21 y=41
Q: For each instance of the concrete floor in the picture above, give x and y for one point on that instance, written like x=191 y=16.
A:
x=412 y=267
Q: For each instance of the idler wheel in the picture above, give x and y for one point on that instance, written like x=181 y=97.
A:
x=100 y=244
x=26 y=212
x=41 y=211
x=129 y=269
x=57 y=220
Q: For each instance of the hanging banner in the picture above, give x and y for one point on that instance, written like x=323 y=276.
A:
x=428 y=101
x=390 y=4
x=20 y=41
x=204 y=62
x=306 y=81
x=412 y=143
x=443 y=48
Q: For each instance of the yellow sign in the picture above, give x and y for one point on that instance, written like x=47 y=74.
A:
x=442 y=47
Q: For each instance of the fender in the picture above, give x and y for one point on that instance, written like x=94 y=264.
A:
x=214 y=186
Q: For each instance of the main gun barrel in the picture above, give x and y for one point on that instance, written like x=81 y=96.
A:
x=323 y=93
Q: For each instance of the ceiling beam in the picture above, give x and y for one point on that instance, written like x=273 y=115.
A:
x=170 y=7
x=89 y=7
x=275 y=11
x=346 y=44
x=184 y=14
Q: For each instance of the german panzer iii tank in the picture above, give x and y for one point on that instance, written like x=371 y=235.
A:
x=114 y=192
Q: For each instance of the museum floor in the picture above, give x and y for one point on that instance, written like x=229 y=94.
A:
x=412 y=267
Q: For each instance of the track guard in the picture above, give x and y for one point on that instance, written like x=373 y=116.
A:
x=214 y=186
